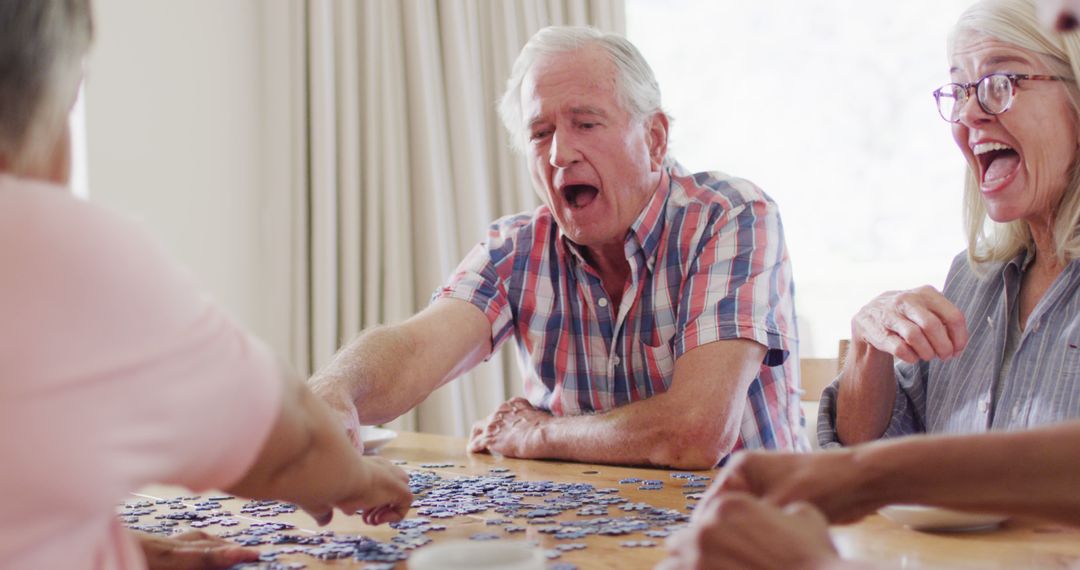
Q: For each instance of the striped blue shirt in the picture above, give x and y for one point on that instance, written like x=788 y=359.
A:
x=1041 y=386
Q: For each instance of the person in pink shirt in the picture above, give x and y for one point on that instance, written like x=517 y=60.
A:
x=114 y=371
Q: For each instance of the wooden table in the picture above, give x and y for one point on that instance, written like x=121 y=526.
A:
x=1018 y=544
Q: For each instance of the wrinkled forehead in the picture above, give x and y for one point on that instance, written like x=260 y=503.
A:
x=582 y=76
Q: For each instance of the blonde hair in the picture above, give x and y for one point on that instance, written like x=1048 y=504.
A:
x=1015 y=22
x=42 y=44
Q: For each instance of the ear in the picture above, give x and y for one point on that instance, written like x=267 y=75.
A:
x=657 y=138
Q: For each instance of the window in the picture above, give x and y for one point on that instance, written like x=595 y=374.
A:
x=77 y=124
x=827 y=106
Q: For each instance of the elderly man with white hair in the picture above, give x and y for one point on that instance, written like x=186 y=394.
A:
x=652 y=308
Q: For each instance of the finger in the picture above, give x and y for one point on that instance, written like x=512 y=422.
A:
x=953 y=319
x=869 y=325
x=229 y=556
x=479 y=444
x=668 y=564
x=931 y=330
x=913 y=335
x=678 y=540
x=734 y=482
x=393 y=513
x=372 y=516
x=896 y=346
x=354 y=439
x=939 y=320
x=321 y=515
x=400 y=474
x=806 y=512
x=197 y=536
x=942 y=323
x=519 y=404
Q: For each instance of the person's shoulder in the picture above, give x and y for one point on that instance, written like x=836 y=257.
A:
x=522 y=224
x=42 y=219
x=716 y=188
x=62 y=251
x=42 y=222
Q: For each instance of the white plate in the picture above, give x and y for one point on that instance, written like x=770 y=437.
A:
x=475 y=555
x=935 y=518
x=375 y=437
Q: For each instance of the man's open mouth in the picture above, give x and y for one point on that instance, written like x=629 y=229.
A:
x=579 y=195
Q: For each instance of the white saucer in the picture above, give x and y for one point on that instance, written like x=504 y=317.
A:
x=375 y=437
x=475 y=555
x=935 y=518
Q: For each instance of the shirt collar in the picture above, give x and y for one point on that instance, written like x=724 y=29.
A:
x=645 y=232
x=649 y=225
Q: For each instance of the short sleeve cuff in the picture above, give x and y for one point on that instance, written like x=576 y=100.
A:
x=775 y=342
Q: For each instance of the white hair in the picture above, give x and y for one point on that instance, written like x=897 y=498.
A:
x=635 y=83
x=42 y=44
x=1015 y=22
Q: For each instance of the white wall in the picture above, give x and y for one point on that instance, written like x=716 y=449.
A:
x=177 y=120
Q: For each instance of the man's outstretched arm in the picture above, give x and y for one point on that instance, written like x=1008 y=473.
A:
x=388 y=370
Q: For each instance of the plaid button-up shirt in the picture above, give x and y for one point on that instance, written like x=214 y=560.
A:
x=708 y=263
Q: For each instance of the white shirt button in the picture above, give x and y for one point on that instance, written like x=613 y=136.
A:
x=616 y=360
x=602 y=302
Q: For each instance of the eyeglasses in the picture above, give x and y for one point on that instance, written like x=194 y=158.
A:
x=995 y=93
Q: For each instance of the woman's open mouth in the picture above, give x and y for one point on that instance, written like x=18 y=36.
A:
x=998 y=163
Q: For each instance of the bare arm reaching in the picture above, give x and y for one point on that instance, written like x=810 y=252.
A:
x=1022 y=473
x=388 y=370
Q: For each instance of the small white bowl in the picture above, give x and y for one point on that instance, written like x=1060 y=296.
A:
x=375 y=437
x=920 y=517
x=474 y=555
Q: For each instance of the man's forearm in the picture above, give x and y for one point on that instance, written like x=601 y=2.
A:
x=649 y=432
x=388 y=370
x=1033 y=472
x=375 y=371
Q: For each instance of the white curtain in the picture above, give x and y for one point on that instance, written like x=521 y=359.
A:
x=405 y=165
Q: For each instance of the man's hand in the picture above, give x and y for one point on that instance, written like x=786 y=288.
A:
x=740 y=531
x=344 y=410
x=194 y=550
x=832 y=481
x=381 y=494
x=513 y=430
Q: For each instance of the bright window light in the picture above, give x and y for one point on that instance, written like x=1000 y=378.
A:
x=827 y=106
x=80 y=185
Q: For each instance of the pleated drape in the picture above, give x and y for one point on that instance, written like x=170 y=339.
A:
x=406 y=165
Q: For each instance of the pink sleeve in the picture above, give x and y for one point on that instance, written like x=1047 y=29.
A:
x=126 y=374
